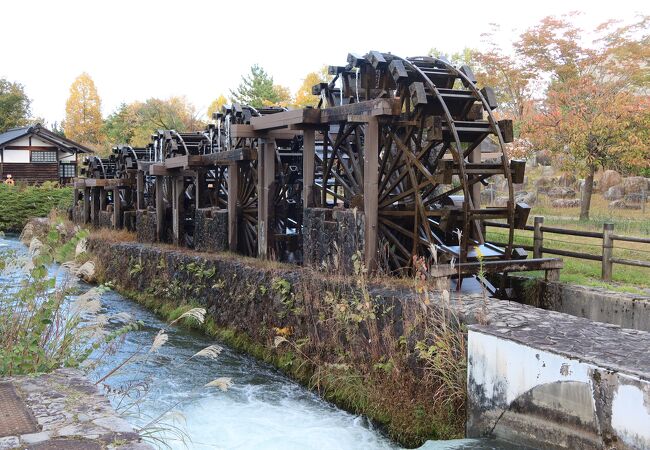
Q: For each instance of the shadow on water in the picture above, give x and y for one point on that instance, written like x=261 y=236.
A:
x=262 y=410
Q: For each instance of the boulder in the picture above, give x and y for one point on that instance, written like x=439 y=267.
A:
x=610 y=178
x=637 y=199
x=543 y=184
x=566 y=203
x=622 y=204
x=543 y=158
x=614 y=193
x=561 y=192
x=567 y=180
x=548 y=171
x=526 y=197
x=502 y=200
x=488 y=195
x=635 y=185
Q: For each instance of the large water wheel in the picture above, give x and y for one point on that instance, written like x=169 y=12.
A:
x=429 y=162
x=286 y=220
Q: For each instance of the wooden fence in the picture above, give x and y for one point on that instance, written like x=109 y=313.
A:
x=607 y=239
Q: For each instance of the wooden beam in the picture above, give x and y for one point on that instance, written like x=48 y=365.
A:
x=308 y=152
x=160 y=208
x=233 y=190
x=228 y=156
x=247 y=131
x=266 y=179
x=286 y=118
x=377 y=107
x=370 y=192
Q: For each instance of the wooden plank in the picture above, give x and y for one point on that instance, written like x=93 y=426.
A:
x=377 y=107
x=286 y=118
x=513 y=265
x=233 y=189
x=180 y=162
x=158 y=169
x=370 y=192
x=308 y=152
x=160 y=208
x=266 y=179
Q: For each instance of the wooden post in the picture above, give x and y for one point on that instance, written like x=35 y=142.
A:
x=178 y=190
x=265 y=181
x=102 y=199
x=199 y=182
x=160 y=208
x=538 y=237
x=139 y=190
x=308 y=152
x=86 y=205
x=233 y=191
x=608 y=250
x=117 y=209
x=94 y=206
x=370 y=192
x=75 y=199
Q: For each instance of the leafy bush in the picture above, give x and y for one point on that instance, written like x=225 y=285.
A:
x=19 y=203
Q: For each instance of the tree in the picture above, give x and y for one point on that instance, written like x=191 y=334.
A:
x=505 y=73
x=216 y=105
x=596 y=111
x=304 y=97
x=14 y=105
x=282 y=97
x=83 y=117
x=465 y=56
x=134 y=123
x=120 y=126
x=256 y=89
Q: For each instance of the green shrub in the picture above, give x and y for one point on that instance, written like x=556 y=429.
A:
x=18 y=204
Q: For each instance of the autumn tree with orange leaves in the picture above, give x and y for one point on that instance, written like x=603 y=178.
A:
x=595 y=111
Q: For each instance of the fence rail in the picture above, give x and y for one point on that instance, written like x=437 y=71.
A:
x=607 y=238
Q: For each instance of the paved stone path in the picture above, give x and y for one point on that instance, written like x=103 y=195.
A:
x=69 y=413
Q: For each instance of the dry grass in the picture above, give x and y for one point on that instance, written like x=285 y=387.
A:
x=110 y=235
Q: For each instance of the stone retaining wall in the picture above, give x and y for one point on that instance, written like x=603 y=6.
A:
x=211 y=230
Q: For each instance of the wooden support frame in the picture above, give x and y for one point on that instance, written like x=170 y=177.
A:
x=233 y=197
x=265 y=179
x=371 y=192
x=103 y=199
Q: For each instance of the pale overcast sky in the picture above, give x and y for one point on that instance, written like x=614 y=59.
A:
x=139 y=49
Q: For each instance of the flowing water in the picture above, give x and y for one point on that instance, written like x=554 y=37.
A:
x=262 y=410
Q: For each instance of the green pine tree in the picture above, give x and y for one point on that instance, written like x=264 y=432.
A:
x=256 y=89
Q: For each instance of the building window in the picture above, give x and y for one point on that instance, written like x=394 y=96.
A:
x=67 y=171
x=44 y=157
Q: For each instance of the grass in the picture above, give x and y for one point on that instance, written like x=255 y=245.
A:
x=20 y=203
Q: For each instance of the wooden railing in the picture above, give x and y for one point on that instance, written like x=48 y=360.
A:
x=607 y=238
